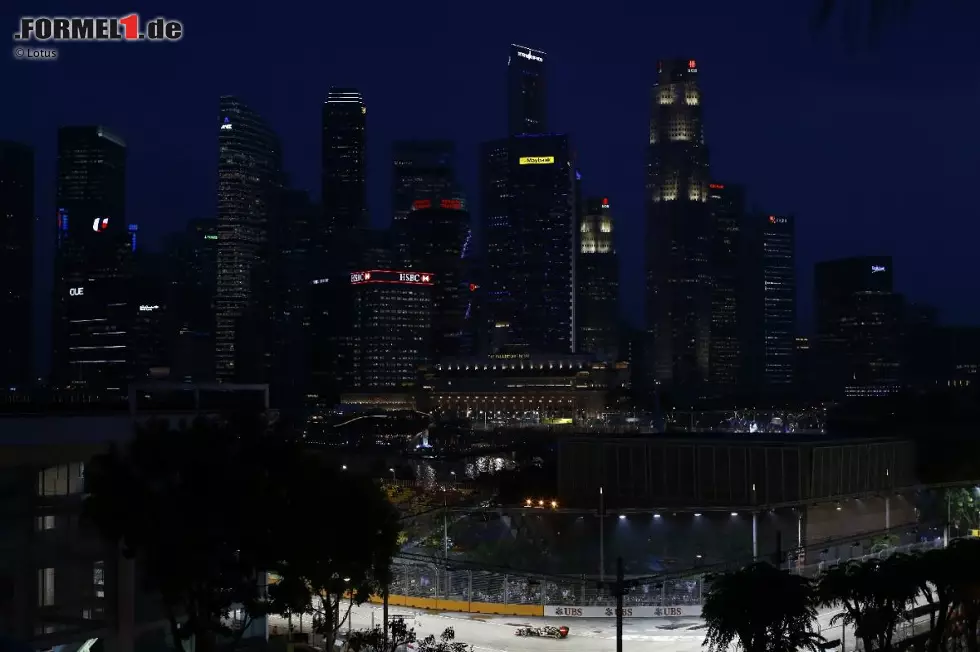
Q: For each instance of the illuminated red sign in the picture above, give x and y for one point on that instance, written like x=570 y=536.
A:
x=474 y=287
x=100 y=224
x=421 y=204
x=716 y=186
x=389 y=276
x=692 y=64
x=772 y=219
x=452 y=204
x=605 y=202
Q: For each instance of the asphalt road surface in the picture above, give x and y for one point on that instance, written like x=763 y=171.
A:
x=496 y=633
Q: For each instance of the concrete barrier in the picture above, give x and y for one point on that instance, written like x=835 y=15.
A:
x=462 y=606
x=679 y=611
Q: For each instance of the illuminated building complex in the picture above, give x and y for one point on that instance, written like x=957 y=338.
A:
x=597 y=273
x=436 y=233
x=678 y=231
x=16 y=263
x=390 y=339
x=859 y=324
x=344 y=182
x=778 y=314
x=91 y=311
x=421 y=169
x=527 y=101
x=728 y=292
x=528 y=195
x=249 y=183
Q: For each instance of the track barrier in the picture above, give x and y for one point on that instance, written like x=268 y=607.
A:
x=462 y=606
x=678 y=611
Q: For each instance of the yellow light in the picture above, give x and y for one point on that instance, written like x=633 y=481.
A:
x=536 y=160
x=540 y=503
x=554 y=504
x=528 y=502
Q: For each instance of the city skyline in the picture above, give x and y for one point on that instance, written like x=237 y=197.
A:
x=617 y=156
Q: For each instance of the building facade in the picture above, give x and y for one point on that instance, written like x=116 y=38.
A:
x=92 y=310
x=527 y=101
x=344 y=177
x=858 y=327
x=436 y=234
x=16 y=263
x=679 y=288
x=391 y=334
x=778 y=259
x=597 y=282
x=249 y=186
x=727 y=205
x=528 y=208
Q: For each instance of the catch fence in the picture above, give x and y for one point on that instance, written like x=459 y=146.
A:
x=432 y=579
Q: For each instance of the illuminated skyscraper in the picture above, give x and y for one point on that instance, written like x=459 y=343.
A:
x=249 y=187
x=678 y=275
x=728 y=297
x=421 y=169
x=92 y=309
x=778 y=259
x=16 y=263
x=344 y=177
x=859 y=326
x=597 y=276
x=528 y=209
x=527 y=101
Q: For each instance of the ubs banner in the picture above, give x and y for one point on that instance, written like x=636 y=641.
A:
x=678 y=611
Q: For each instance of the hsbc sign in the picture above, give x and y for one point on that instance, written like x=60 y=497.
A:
x=391 y=276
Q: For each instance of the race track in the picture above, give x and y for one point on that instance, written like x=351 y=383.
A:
x=496 y=633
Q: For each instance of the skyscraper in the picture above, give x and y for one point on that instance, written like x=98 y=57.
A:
x=16 y=263
x=778 y=258
x=92 y=310
x=858 y=327
x=678 y=231
x=527 y=102
x=727 y=205
x=597 y=276
x=344 y=183
x=528 y=208
x=421 y=168
x=193 y=275
x=249 y=186
x=436 y=235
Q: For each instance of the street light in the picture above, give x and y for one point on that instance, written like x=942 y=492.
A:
x=393 y=476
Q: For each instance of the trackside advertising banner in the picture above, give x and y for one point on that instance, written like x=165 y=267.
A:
x=680 y=611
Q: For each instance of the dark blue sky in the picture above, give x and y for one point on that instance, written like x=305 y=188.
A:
x=875 y=151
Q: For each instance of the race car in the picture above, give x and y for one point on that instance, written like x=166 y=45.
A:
x=547 y=631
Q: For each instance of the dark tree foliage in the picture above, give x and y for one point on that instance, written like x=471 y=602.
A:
x=207 y=510
x=399 y=634
x=860 y=21
x=344 y=538
x=761 y=609
x=875 y=594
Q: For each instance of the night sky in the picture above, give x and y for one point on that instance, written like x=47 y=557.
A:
x=874 y=149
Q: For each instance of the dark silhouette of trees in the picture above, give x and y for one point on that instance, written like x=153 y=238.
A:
x=399 y=634
x=208 y=510
x=762 y=609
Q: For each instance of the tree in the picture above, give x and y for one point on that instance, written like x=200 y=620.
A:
x=341 y=549
x=860 y=19
x=191 y=506
x=762 y=609
x=875 y=595
x=399 y=634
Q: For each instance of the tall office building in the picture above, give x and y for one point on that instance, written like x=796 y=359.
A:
x=192 y=257
x=778 y=317
x=597 y=275
x=249 y=186
x=528 y=210
x=16 y=263
x=421 y=169
x=858 y=327
x=344 y=177
x=728 y=257
x=436 y=235
x=92 y=310
x=527 y=101
x=678 y=274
